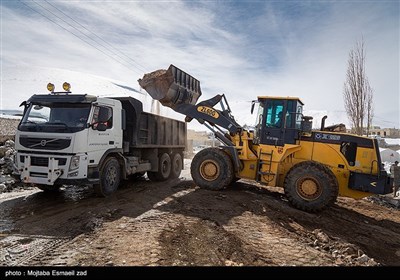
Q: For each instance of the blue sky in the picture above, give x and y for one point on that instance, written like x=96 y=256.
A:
x=240 y=48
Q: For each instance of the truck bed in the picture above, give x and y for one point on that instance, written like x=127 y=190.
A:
x=146 y=130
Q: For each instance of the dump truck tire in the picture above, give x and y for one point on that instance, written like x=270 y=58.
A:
x=176 y=166
x=311 y=187
x=164 y=169
x=212 y=169
x=110 y=177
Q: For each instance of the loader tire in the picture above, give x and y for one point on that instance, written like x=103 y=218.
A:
x=164 y=169
x=110 y=177
x=311 y=187
x=212 y=169
x=176 y=166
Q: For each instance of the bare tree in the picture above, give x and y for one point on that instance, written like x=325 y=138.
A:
x=358 y=94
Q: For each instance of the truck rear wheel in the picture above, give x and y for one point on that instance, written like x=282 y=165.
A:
x=110 y=177
x=176 y=165
x=212 y=169
x=311 y=187
x=164 y=169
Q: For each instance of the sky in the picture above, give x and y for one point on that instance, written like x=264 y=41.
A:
x=243 y=49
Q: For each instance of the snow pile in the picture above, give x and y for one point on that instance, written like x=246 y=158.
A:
x=388 y=155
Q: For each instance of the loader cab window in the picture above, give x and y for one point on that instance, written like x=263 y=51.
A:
x=349 y=150
x=274 y=114
x=259 y=122
x=299 y=115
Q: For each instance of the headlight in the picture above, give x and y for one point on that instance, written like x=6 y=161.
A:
x=74 y=164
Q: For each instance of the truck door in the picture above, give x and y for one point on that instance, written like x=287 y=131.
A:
x=102 y=132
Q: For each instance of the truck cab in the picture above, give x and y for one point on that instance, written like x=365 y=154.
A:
x=63 y=137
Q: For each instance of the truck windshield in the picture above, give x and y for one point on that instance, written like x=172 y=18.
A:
x=64 y=118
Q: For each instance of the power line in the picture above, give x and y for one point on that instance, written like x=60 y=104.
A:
x=36 y=11
x=80 y=32
x=94 y=34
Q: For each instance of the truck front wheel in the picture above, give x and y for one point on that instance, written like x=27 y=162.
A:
x=110 y=176
x=212 y=169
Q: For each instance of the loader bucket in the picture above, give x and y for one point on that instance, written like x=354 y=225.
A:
x=171 y=87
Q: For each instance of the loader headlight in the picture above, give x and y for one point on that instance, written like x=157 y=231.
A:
x=74 y=164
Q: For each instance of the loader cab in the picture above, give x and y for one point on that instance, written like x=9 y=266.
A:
x=278 y=120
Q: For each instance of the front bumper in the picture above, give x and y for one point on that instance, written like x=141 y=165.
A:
x=50 y=169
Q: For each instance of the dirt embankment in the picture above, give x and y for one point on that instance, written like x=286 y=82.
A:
x=176 y=223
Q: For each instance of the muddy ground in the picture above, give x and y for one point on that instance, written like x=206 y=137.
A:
x=176 y=223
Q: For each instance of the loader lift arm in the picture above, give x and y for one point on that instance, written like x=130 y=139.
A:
x=178 y=90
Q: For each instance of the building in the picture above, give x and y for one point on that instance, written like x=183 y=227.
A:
x=385 y=132
x=197 y=139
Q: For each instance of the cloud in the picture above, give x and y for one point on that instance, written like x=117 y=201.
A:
x=242 y=49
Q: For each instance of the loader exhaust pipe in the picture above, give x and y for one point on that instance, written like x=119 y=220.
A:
x=323 y=122
x=171 y=87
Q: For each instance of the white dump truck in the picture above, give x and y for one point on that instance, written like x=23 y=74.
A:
x=80 y=139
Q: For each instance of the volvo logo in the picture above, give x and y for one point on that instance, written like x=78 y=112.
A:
x=43 y=142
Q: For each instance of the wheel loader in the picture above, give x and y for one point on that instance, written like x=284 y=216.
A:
x=312 y=166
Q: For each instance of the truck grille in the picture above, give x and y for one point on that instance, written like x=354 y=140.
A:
x=43 y=161
x=44 y=143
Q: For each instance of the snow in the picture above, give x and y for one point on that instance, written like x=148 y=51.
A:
x=392 y=141
x=388 y=155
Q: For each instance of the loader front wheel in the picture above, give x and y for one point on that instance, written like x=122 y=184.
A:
x=311 y=187
x=212 y=169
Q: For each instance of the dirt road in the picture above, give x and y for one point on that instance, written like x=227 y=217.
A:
x=176 y=223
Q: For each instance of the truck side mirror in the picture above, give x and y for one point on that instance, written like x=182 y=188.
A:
x=253 y=103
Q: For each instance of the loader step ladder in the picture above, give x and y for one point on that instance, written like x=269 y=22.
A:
x=265 y=162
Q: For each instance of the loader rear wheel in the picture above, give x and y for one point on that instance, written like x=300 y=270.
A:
x=164 y=169
x=176 y=165
x=110 y=177
x=212 y=169
x=311 y=187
